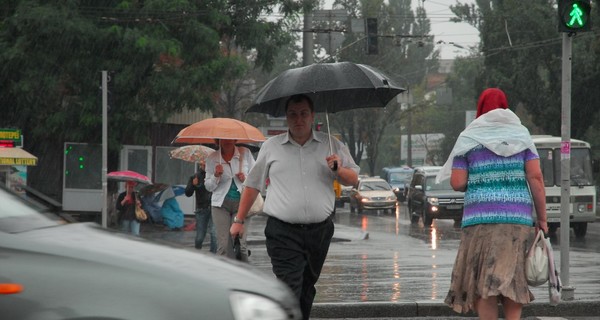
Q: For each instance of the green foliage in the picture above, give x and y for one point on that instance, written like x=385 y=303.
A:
x=403 y=57
x=522 y=54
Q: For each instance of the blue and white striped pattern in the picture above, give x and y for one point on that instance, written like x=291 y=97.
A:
x=497 y=189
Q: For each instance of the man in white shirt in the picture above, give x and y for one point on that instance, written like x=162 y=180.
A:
x=300 y=198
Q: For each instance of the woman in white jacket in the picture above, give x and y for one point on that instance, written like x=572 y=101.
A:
x=226 y=171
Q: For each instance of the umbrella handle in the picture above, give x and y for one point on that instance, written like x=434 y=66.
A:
x=335 y=165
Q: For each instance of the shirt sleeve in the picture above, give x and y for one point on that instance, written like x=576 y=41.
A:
x=530 y=155
x=460 y=162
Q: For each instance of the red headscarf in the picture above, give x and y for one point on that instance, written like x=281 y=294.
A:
x=490 y=99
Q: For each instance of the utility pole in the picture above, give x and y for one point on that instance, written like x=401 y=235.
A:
x=104 y=148
x=307 y=36
x=567 y=292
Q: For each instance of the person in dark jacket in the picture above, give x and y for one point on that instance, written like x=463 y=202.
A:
x=202 y=211
x=126 y=203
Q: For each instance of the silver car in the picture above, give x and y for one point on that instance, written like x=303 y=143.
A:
x=50 y=269
x=372 y=194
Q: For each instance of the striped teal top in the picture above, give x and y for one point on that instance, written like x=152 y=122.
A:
x=497 y=190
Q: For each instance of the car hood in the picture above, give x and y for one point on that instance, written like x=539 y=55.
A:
x=445 y=194
x=132 y=269
x=377 y=193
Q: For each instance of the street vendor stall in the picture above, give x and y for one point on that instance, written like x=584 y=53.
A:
x=14 y=160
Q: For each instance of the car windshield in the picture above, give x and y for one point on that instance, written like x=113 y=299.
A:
x=443 y=185
x=374 y=185
x=18 y=215
x=397 y=177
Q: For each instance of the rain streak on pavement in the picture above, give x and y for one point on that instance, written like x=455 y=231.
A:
x=379 y=258
x=385 y=258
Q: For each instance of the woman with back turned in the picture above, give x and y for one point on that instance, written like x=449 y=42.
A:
x=493 y=162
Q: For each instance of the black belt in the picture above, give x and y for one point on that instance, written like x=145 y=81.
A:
x=305 y=226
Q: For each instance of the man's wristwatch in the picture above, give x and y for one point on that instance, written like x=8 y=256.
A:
x=236 y=220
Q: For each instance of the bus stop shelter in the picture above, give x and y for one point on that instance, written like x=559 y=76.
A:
x=13 y=167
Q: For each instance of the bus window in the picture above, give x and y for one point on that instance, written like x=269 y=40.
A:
x=547 y=165
x=581 y=167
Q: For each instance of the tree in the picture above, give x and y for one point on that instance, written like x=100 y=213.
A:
x=521 y=51
x=401 y=57
x=166 y=56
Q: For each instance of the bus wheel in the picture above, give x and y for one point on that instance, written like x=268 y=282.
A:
x=552 y=229
x=580 y=229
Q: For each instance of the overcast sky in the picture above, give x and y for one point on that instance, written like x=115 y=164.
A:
x=461 y=34
x=451 y=33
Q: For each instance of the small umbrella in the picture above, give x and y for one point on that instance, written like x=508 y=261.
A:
x=191 y=153
x=128 y=175
x=207 y=130
x=165 y=191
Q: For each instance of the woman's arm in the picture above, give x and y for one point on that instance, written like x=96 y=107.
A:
x=210 y=181
x=533 y=174
x=458 y=179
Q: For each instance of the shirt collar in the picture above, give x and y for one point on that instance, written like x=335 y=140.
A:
x=314 y=136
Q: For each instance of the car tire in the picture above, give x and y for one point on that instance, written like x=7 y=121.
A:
x=457 y=223
x=580 y=229
x=427 y=220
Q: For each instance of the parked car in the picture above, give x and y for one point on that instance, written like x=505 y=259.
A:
x=399 y=179
x=372 y=194
x=51 y=269
x=428 y=200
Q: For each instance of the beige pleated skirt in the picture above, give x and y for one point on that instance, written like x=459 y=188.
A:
x=490 y=262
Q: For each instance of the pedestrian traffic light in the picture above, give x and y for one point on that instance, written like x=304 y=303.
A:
x=574 y=16
x=372 y=47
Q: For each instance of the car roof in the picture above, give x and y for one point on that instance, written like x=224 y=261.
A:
x=428 y=169
x=398 y=169
x=371 y=179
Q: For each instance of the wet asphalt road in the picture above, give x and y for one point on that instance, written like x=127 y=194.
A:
x=384 y=258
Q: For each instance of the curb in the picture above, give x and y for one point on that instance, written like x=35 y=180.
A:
x=439 y=309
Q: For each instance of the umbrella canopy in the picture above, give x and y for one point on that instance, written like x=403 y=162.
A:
x=165 y=191
x=207 y=130
x=128 y=175
x=191 y=153
x=332 y=87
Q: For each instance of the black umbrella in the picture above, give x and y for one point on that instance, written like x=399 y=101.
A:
x=332 y=87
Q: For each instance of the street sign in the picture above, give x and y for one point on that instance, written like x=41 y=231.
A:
x=10 y=137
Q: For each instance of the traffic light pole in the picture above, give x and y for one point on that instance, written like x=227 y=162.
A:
x=104 y=148
x=567 y=292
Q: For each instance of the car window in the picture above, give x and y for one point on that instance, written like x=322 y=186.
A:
x=400 y=177
x=443 y=185
x=17 y=215
x=374 y=185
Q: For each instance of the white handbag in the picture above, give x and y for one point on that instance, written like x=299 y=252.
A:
x=536 y=262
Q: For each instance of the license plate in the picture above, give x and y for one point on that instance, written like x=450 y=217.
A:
x=454 y=207
x=553 y=219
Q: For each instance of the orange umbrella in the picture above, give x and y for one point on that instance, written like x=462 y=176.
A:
x=207 y=130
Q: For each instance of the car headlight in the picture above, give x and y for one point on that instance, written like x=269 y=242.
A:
x=391 y=198
x=581 y=208
x=396 y=189
x=248 y=306
x=433 y=201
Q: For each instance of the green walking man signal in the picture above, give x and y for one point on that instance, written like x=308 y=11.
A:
x=574 y=16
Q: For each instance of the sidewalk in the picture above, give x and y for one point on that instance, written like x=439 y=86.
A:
x=423 y=309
